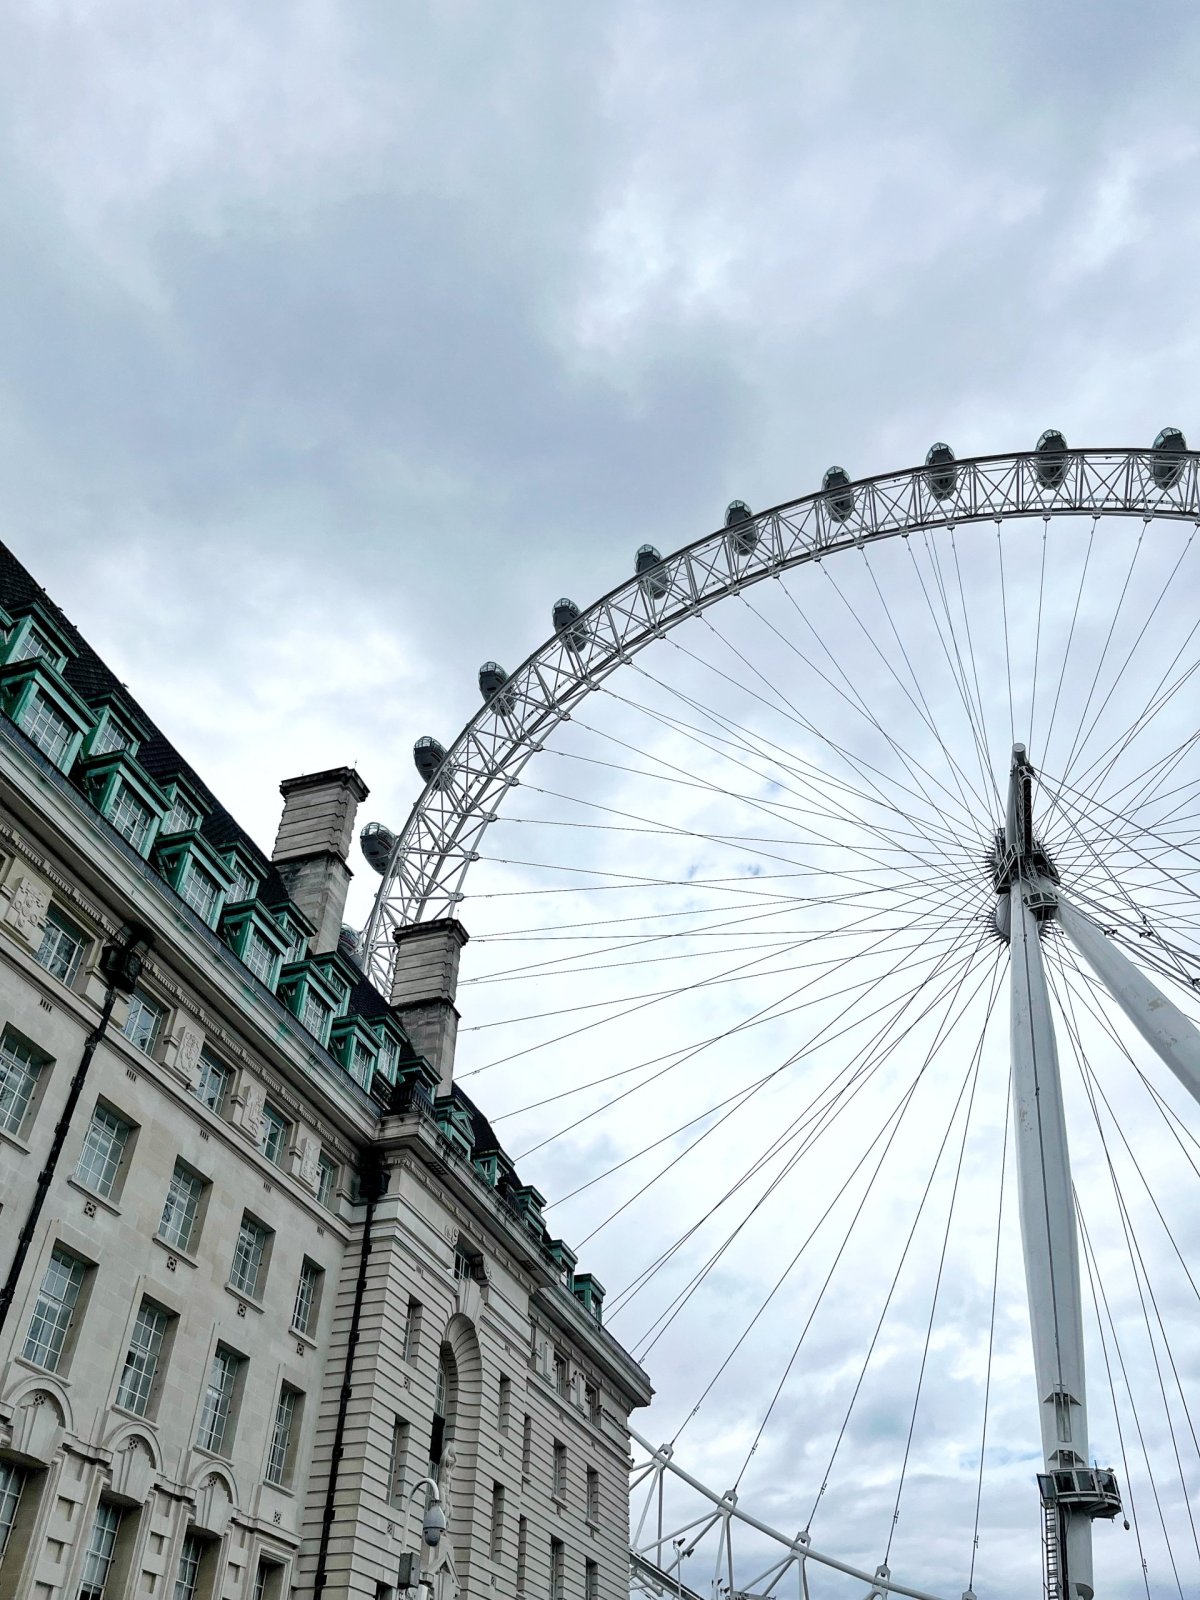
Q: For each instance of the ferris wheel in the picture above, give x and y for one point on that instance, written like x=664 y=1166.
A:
x=838 y=944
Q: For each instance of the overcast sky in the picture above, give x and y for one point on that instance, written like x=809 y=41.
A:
x=339 y=341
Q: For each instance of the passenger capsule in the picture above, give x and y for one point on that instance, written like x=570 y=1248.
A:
x=943 y=474
x=743 y=535
x=1168 y=462
x=566 y=622
x=839 y=498
x=428 y=756
x=1050 y=459
x=348 y=942
x=492 y=679
x=377 y=843
x=650 y=569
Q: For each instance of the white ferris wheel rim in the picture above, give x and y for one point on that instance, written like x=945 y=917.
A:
x=423 y=876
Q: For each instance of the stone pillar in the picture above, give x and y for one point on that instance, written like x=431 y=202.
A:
x=313 y=844
x=424 y=985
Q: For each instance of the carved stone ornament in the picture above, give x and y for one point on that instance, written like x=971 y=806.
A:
x=37 y=1428
x=27 y=909
x=187 y=1057
x=213 y=1506
x=253 y=1102
x=310 y=1149
x=132 y=1472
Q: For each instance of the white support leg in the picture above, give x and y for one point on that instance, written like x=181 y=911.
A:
x=1048 y=1232
x=1161 y=1023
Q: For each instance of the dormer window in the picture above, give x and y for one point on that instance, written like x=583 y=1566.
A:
x=50 y=715
x=34 y=645
x=200 y=890
x=46 y=728
x=111 y=735
x=316 y=1015
x=183 y=817
x=255 y=938
x=121 y=791
x=247 y=875
x=132 y=819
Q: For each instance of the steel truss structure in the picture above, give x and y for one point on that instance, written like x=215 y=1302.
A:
x=424 y=874
x=425 y=871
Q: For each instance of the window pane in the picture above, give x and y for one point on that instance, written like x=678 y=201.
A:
x=61 y=947
x=99 y=1556
x=326 y=1179
x=180 y=1207
x=281 y=1436
x=143 y=1022
x=218 y=1396
x=260 y=958
x=103 y=1147
x=51 y=1318
x=200 y=890
x=273 y=1138
x=306 y=1293
x=213 y=1082
x=181 y=818
x=188 y=1573
x=36 y=647
x=19 y=1068
x=130 y=817
x=12 y=1481
x=112 y=736
x=315 y=1015
x=41 y=723
x=141 y=1359
x=248 y=1257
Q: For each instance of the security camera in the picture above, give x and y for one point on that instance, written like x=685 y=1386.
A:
x=434 y=1525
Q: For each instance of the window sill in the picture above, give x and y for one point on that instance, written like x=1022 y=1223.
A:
x=213 y=1455
x=280 y=1488
x=244 y=1300
x=94 y=1196
x=15 y=1140
x=143 y=1417
x=306 y=1338
x=60 y=1374
x=176 y=1253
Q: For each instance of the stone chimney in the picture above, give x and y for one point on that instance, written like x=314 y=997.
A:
x=313 y=843
x=424 y=985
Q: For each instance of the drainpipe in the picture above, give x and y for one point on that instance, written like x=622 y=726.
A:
x=120 y=966
x=373 y=1185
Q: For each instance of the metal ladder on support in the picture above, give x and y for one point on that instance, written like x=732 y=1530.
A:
x=1051 y=1552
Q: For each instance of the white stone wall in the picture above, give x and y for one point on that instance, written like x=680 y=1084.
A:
x=64 y=1428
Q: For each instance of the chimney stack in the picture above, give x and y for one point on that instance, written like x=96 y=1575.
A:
x=424 y=985
x=313 y=844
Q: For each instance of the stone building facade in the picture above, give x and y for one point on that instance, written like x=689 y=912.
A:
x=283 y=1273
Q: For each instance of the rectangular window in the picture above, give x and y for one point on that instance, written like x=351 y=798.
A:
x=98 y=1561
x=362 y=1063
x=496 y=1538
x=562 y=1375
x=131 y=818
x=103 y=1149
x=558 y=1484
x=55 y=1306
x=19 y=1068
x=61 y=948
x=200 y=890
x=46 y=728
x=504 y=1408
x=526 y=1443
x=522 y=1552
x=261 y=959
x=244 y=887
x=591 y=1580
x=268 y=1580
x=308 y=1296
x=141 y=1359
x=412 y=1330
x=187 y=1574
x=143 y=1024
x=181 y=1208
x=182 y=817
x=558 y=1569
x=213 y=1083
x=593 y=1495
x=279 y=1459
x=386 y=1061
x=591 y=1397
x=12 y=1481
x=397 y=1460
x=315 y=1015
x=246 y=1273
x=326 y=1180
x=464 y=1263
x=218 y=1400
x=272 y=1139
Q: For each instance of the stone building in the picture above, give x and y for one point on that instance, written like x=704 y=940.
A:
x=281 y=1272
